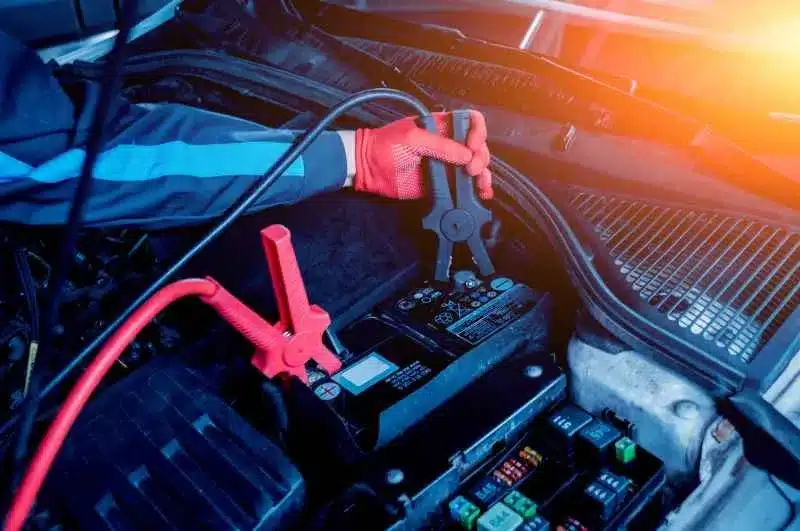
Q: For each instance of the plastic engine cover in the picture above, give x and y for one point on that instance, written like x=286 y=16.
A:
x=158 y=451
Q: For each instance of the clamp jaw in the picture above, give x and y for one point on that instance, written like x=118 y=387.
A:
x=459 y=222
x=301 y=325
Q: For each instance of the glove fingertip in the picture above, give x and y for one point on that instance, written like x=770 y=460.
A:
x=486 y=157
x=480 y=161
x=476 y=138
x=474 y=167
x=453 y=152
x=484 y=182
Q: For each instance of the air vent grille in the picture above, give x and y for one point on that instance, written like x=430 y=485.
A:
x=484 y=83
x=729 y=280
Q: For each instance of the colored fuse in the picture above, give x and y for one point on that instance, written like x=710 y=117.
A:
x=511 y=471
x=464 y=512
x=521 y=504
x=537 y=523
x=515 y=475
x=620 y=485
x=625 y=450
x=527 y=453
x=522 y=471
x=519 y=465
x=501 y=476
x=487 y=491
x=531 y=456
x=499 y=518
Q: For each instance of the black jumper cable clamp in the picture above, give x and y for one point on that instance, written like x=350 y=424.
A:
x=459 y=222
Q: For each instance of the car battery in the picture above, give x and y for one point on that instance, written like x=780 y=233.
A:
x=422 y=346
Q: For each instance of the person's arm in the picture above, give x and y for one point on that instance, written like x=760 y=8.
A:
x=162 y=165
x=167 y=165
x=171 y=165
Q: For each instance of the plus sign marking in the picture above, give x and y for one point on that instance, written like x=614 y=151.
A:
x=328 y=390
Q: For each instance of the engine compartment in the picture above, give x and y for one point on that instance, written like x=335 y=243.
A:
x=415 y=427
x=340 y=448
x=363 y=427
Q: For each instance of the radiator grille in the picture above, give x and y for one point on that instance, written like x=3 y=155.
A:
x=729 y=280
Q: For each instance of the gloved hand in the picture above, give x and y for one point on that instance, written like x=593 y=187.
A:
x=389 y=160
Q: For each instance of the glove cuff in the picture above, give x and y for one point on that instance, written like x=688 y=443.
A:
x=363 y=176
x=370 y=175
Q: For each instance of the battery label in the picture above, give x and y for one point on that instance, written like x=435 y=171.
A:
x=365 y=373
x=409 y=376
x=495 y=315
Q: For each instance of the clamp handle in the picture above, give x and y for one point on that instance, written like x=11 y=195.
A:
x=468 y=201
x=442 y=203
x=437 y=172
x=460 y=222
x=301 y=325
x=287 y=281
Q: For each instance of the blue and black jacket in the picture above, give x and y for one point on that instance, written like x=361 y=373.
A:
x=162 y=165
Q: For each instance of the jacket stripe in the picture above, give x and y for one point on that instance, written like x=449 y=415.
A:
x=11 y=168
x=135 y=163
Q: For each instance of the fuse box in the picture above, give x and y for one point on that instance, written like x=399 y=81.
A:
x=570 y=472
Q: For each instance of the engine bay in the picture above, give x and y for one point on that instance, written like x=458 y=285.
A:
x=618 y=366
x=442 y=384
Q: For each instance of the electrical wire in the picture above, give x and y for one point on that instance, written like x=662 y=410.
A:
x=93 y=147
x=29 y=290
x=28 y=284
x=279 y=411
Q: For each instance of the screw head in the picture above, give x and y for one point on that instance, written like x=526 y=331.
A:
x=533 y=371
x=686 y=409
x=395 y=476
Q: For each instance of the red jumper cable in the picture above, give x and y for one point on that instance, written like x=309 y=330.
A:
x=283 y=348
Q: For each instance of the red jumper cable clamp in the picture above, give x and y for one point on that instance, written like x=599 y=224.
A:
x=286 y=346
x=301 y=324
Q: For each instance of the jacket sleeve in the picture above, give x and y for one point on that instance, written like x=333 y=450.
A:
x=163 y=165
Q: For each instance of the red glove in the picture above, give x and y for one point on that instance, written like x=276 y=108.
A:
x=389 y=159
